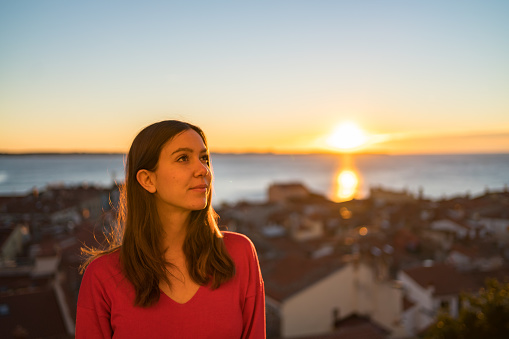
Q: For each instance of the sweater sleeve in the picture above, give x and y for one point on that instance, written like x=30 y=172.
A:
x=253 y=315
x=93 y=311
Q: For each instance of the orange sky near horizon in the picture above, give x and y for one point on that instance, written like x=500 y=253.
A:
x=237 y=141
x=423 y=77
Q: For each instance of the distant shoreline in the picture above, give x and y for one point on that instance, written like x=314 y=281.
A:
x=58 y=154
x=218 y=153
x=243 y=154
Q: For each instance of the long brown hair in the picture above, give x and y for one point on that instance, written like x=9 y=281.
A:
x=138 y=230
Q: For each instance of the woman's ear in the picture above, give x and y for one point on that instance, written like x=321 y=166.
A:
x=146 y=180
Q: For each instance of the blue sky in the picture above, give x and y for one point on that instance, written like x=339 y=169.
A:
x=258 y=76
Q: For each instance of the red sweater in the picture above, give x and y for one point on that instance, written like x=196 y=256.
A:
x=234 y=310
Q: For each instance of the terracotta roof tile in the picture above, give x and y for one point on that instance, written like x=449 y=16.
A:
x=293 y=271
x=444 y=278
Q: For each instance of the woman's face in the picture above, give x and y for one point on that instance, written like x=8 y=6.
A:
x=182 y=177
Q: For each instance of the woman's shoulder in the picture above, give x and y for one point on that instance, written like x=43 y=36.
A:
x=238 y=244
x=105 y=264
x=236 y=239
x=101 y=282
x=244 y=254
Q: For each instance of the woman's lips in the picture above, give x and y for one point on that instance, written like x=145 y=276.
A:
x=200 y=188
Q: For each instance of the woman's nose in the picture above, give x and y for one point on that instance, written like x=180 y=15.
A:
x=202 y=169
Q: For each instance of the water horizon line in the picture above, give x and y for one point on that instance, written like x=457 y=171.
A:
x=254 y=153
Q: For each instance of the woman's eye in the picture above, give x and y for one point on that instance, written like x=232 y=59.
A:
x=206 y=159
x=182 y=158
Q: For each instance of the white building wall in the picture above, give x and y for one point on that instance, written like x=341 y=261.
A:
x=381 y=300
x=423 y=298
x=352 y=289
x=13 y=245
x=427 y=305
x=459 y=260
x=312 y=311
x=450 y=226
x=500 y=228
x=308 y=229
x=409 y=320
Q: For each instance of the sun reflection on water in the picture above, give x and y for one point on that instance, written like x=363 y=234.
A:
x=346 y=180
x=347 y=185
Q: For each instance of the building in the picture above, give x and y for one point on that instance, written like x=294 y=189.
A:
x=12 y=240
x=383 y=196
x=431 y=289
x=32 y=301
x=279 y=193
x=310 y=293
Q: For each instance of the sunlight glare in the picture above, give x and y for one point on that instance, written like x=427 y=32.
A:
x=347 y=136
x=348 y=182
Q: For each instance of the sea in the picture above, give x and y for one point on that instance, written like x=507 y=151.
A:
x=247 y=177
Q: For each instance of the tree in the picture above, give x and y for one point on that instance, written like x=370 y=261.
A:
x=484 y=315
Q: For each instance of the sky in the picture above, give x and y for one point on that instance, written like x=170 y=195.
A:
x=260 y=76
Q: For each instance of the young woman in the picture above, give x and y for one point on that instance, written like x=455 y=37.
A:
x=169 y=272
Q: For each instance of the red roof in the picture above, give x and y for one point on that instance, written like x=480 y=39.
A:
x=444 y=278
x=295 y=269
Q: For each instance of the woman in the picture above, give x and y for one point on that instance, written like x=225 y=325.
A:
x=169 y=272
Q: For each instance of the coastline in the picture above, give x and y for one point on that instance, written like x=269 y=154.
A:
x=15 y=154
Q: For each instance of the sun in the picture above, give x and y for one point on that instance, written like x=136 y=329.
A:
x=347 y=136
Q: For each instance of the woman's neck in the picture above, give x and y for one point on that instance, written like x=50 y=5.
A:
x=175 y=230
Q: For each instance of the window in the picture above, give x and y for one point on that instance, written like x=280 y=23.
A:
x=444 y=305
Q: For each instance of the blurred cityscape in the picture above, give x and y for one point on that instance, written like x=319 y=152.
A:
x=380 y=267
